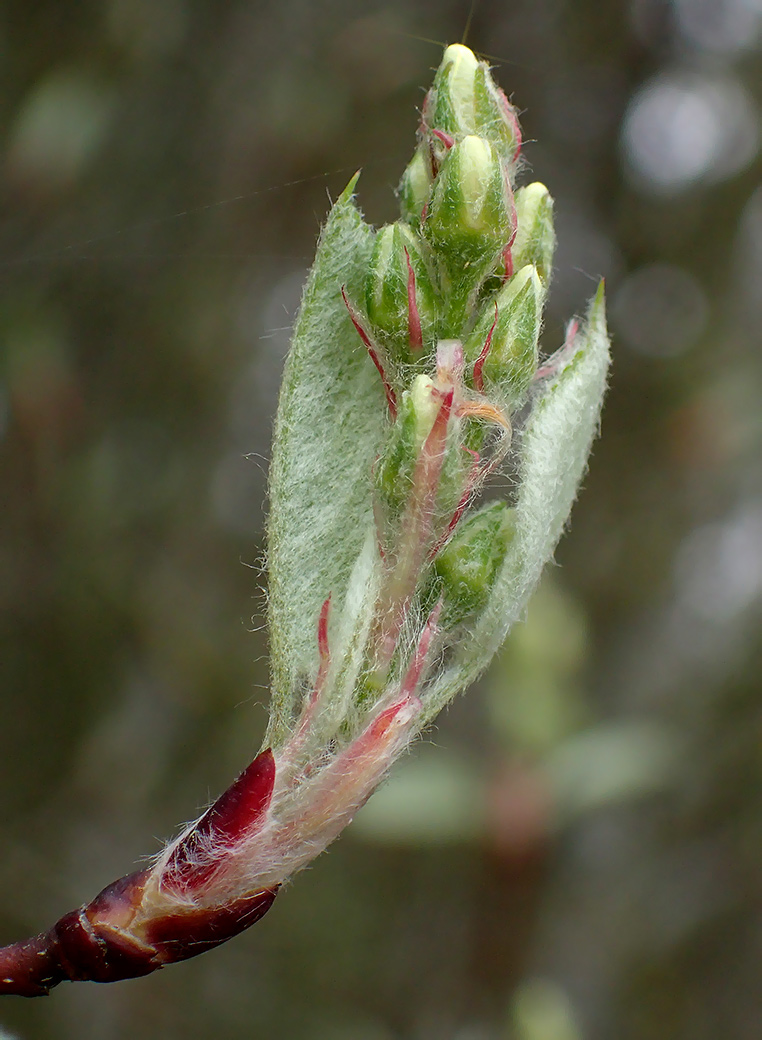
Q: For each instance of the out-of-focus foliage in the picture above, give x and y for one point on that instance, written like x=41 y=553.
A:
x=579 y=857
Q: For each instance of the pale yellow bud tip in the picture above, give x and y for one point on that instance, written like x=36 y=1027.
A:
x=426 y=406
x=462 y=57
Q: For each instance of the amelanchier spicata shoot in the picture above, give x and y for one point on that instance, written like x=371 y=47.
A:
x=414 y=375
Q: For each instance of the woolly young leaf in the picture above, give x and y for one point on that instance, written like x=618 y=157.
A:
x=328 y=430
x=554 y=452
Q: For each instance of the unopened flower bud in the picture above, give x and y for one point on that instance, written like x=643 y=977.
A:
x=503 y=346
x=400 y=300
x=470 y=220
x=470 y=210
x=535 y=238
x=467 y=566
x=424 y=427
x=464 y=100
x=394 y=471
x=414 y=190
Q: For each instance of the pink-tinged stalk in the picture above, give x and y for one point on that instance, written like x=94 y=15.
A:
x=330 y=801
x=419 y=541
x=416 y=530
x=327 y=803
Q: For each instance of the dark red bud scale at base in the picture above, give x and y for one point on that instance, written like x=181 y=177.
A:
x=116 y=937
x=236 y=814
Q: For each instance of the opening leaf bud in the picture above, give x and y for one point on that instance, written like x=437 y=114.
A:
x=414 y=189
x=512 y=358
x=467 y=566
x=400 y=300
x=535 y=238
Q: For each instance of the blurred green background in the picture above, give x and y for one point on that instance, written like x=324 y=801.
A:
x=579 y=857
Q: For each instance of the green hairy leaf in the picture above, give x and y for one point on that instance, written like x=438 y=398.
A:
x=328 y=430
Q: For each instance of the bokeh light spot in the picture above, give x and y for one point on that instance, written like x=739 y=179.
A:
x=682 y=128
x=724 y=26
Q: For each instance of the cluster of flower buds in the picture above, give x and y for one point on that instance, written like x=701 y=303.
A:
x=453 y=302
x=414 y=372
